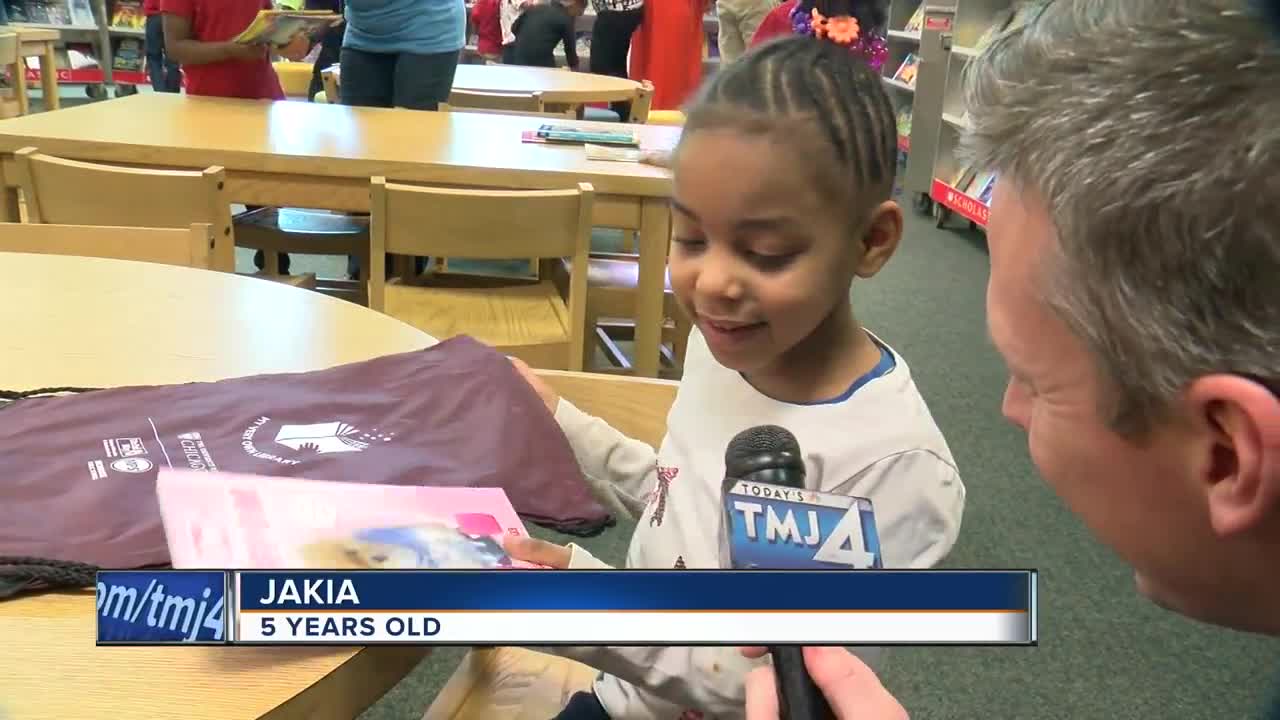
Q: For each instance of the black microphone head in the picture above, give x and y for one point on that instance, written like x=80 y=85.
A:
x=765 y=453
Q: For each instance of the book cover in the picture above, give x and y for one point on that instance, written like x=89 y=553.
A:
x=280 y=27
x=614 y=154
x=128 y=15
x=226 y=520
x=570 y=134
x=907 y=71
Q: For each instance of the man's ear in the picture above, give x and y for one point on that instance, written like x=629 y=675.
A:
x=880 y=239
x=1241 y=464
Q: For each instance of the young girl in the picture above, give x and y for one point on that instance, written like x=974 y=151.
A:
x=782 y=193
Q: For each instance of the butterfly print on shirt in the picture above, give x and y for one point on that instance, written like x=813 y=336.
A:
x=665 y=476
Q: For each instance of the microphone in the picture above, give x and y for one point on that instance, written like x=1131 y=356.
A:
x=764 y=485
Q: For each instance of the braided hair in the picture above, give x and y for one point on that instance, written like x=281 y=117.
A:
x=825 y=101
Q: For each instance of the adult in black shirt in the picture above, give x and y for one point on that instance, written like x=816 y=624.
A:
x=540 y=28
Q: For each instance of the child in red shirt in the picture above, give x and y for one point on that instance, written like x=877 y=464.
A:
x=198 y=35
x=486 y=16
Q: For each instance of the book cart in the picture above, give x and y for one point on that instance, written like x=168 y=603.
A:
x=956 y=189
x=101 y=41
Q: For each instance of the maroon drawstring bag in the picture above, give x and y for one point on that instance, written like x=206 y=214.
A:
x=78 y=471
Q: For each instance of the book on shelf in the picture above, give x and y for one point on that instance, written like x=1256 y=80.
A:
x=916 y=23
x=984 y=192
x=242 y=521
x=281 y=27
x=962 y=177
x=904 y=122
x=906 y=72
x=128 y=54
x=128 y=15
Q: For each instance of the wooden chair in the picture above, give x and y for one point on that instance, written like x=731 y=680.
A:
x=446 y=107
x=530 y=321
x=505 y=102
x=612 y=279
x=641 y=106
x=10 y=60
x=71 y=192
x=318 y=232
x=523 y=684
x=192 y=247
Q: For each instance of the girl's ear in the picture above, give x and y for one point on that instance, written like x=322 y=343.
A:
x=880 y=240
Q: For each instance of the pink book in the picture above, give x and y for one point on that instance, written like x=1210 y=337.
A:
x=229 y=521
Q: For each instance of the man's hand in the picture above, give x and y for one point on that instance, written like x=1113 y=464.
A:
x=296 y=49
x=540 y=386
x=852 y=688
x=538 y=552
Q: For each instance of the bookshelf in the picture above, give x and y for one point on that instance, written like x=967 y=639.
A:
x=94 y=50
x=956 y=190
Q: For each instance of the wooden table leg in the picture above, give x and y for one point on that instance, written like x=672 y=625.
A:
x=20 y=86
x=654 y=241
x=8 y=200
x=49 y=77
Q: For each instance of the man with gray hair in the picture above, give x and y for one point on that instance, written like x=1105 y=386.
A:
x=1135 y=295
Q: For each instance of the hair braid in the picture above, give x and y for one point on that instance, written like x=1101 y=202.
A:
x=804 y=90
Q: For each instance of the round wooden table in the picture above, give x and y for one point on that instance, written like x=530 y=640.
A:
x=556 y=86
x=559 y=87
x=101 y=323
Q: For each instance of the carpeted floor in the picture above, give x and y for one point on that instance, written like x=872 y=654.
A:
x=1104 y=653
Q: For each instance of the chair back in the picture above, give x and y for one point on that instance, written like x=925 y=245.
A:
x=186 y=247
x=641 y=106
x=483 y=225
x=71 y=192
x=9 y=44
x=637 y=407
x=567 y=115
x=518 y=102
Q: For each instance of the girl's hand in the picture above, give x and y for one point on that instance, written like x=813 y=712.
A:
x=538 y=552
x=852 y=688
x=540 y=386
x=296 y=49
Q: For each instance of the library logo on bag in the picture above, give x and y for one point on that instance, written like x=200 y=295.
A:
x=323 y=438
x=329 y=437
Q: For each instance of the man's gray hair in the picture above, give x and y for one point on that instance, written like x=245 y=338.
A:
x=1150 y=129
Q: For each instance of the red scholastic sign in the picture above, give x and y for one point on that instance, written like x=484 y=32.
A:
x=967 y=207
x=941 y=23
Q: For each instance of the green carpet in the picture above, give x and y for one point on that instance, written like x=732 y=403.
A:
x=1104 y=652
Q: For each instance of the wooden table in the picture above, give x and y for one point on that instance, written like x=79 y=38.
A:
x=95 y=323
x=41 y=43
x=322 y=156
x=558 y=86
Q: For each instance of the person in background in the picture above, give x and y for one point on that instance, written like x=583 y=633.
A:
x=198 y=35
x=165 y=74
x=738 y=21
x=542 y=27
x=1135 y=249
x=508 y=12
x=667 y=49
x=401 y=53
x=797 y=17
x=330 y=41
x=486 y=16
x=616 y=21
x=765 y=246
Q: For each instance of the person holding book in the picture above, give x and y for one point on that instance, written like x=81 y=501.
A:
x=766 y=243
x=542 y=27
x=199 y=34
x=401 y=53
x=165 y=74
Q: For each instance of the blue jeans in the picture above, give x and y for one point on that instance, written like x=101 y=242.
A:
x=165 y=74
